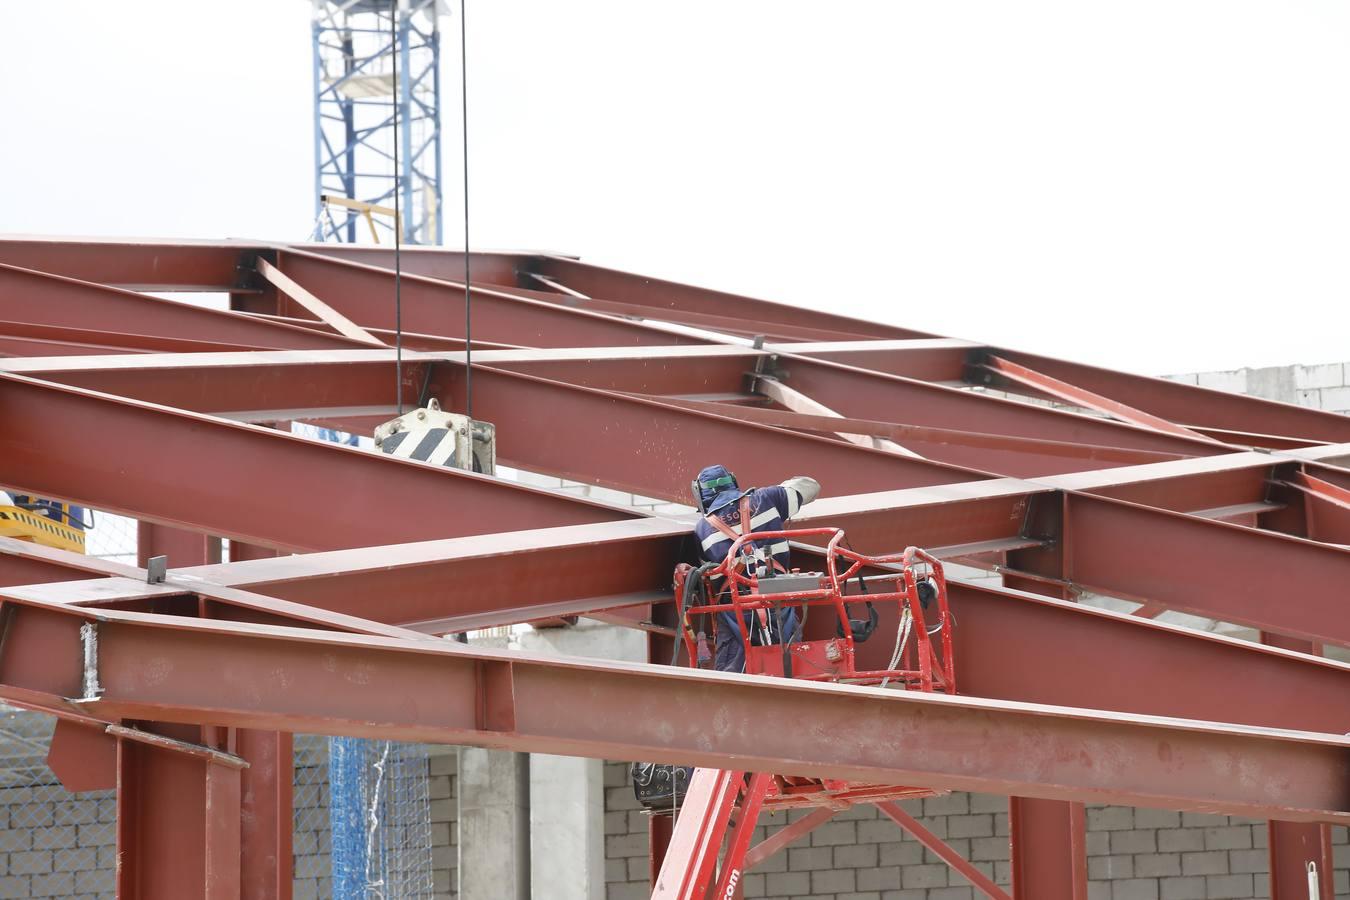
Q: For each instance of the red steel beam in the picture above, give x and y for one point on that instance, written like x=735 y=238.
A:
x=1194 y=485
x=654 y=449
x=22 y=562
x=642 y=445
x=156 y=265
x=660 y=370
x=1271 y=581
x=1194 y=406
x=365 y=293
x=675 y=371
x=787 y=834
x=1043 y=385
x=26 y=339
x=208 y=383
x=40 y=298
x=860 y=393
x=143 y=445
x=658 y=298
x=551 y=292
x=1010 y=645
x=1016 y=456
x=851 y=391
x=595 y=281
x=283 y=679
x=499 y=268
x=412 y=340
x=1106 y=572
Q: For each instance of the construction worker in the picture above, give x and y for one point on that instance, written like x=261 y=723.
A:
x=725 y=509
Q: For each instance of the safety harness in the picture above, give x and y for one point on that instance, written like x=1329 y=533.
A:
x=745 y=510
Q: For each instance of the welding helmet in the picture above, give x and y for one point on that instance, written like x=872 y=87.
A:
x=714 y=488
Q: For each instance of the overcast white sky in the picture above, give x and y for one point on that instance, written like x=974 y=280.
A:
x=1156 y=186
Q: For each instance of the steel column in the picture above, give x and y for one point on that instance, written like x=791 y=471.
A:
x=1048 y=849
x=267 y=813
x=177 y=824
x=183 y=548
x=265 y=784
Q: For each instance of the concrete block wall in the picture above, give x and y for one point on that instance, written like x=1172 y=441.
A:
x=1325 y=386
x=57 y=844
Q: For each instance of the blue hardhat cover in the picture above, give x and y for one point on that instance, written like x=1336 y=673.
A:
x=717 y=487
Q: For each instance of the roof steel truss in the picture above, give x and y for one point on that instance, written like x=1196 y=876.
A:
x=1164 y=494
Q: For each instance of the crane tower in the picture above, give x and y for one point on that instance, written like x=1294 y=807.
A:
x=371 y=58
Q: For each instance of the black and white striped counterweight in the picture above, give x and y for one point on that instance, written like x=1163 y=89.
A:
x=433 y=436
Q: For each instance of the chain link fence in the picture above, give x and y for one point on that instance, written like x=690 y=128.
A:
x=53 y=843
x=374 y=820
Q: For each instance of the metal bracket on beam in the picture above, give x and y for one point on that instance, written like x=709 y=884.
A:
x=495 y=705
x=90 y=688
x=156 y=569
x=210 y=754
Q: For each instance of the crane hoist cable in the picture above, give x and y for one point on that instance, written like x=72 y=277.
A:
x=398 y=219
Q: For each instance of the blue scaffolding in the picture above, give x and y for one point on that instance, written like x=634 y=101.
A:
x=359 y=45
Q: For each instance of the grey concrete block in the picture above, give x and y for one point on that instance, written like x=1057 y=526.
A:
x=1109 y=868
x=857 y=856
x=1248 y=861
x=1228 y=887
x=881 y=878
x=806 y=859
x=1110 y=818
x=1172 y=840
x=1231 y=837
x=786 y=883
x=834 y=833
x=1157 y=818
x=833 y=881
x=1157 y=865
x=1182 y=888
x=924 y=876
x=1208 y=862
x=1137 y=841
x=32 y=862
x=970 y=826
x=1135 y=889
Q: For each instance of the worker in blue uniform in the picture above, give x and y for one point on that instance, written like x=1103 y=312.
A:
x=728 y=511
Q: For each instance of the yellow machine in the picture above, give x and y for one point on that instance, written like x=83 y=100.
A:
x=50 y=523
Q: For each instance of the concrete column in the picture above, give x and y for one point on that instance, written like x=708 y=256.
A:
x=567 y=794
x=567 y=827
x=494 y=825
